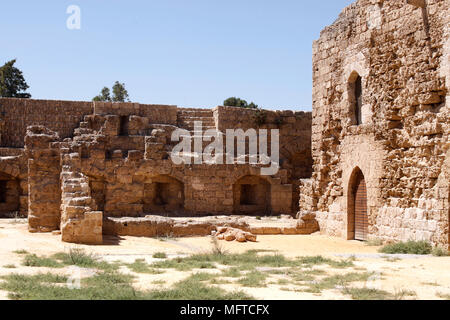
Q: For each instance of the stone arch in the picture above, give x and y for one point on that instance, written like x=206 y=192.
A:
x=355 y=66
x=251 y=196
x=357 y=207
x=9 y=194
x=163 y=194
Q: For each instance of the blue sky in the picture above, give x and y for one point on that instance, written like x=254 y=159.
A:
x=191 y=53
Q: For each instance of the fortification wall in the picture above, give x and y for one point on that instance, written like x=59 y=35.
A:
x=59 y=116
x=400 y=52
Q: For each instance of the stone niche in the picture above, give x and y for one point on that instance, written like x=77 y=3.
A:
x=251 y=195
x=98 y=191
x=163 y=195
x=9 y=194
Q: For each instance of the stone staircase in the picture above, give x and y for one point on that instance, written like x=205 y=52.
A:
x=188 y=117
x=85 y=127
x=79 y=222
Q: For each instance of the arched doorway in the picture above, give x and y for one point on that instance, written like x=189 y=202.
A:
x=357 y=221
x=251 y=196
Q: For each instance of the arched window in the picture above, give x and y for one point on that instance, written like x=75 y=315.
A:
x=358 y=100
x=355 y=93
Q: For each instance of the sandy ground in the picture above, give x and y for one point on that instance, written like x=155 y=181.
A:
x=426 y=275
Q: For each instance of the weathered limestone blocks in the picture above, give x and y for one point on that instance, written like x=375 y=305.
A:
x=85 y=229
x=158 y=226
x=150 y=226
x=232 y=234
x=44 y=195
x=395 y=130
x=59 y=116
x=307 y=223
x=79 y=222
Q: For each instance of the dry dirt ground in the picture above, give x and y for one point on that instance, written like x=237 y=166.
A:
x=427 y=277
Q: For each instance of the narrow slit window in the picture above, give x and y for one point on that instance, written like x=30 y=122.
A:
x=358 y=100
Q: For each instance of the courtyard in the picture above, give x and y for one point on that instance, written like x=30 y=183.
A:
x=276 y=267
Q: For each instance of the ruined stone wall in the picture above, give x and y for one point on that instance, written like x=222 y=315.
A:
x=117 y=164
x=400 y=51
x=155 y=114
x=44 y=191
x=295 y=138
x=59 y=116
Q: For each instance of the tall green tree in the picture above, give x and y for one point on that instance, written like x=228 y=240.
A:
x=105 y=95
x=239 y=103
x=120 y=94
x=12 y=82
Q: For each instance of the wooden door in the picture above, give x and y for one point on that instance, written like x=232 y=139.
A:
x=361 y=220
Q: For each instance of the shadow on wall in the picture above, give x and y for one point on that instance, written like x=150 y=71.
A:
x=164 y=195
x=9 y=195
x=251 y=196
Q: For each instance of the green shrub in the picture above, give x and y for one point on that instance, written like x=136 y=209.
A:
x=440 y=252
x=32 y=260
x=160 y=255
x=410 y=247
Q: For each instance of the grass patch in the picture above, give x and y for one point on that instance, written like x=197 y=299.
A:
x=140 y=266
x=391 y=259
x=20 y=251
x=193 y=289
x=32 y=260
x=183 y=264
x=433 y=284
x=367 y=294
x=253 y=279
x=300 y=276
x=403 y=293
x=220 y=281
x=75 y=257
x=82 y=259
x=334 y=281
x=111 y=285
x=410 y=247
x=318 y=260
x=106 y=286
x=247 y=261
x=282 y=282
x=443 y=296
x=231 y=273
x=160 y=255
x=440 y=252
x=374 y=243
x=9 y=266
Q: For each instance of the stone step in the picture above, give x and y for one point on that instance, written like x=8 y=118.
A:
x=193 y=110
x=203 y=123
x=84 y=125
x=80 y=201
x=81 y=131
x=198 y=116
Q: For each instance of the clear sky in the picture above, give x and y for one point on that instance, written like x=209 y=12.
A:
x=190 y=53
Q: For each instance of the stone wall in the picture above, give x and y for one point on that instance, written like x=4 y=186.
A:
x=44 y=191
x=59 y=116
x=86 y=162
x=401 y=53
